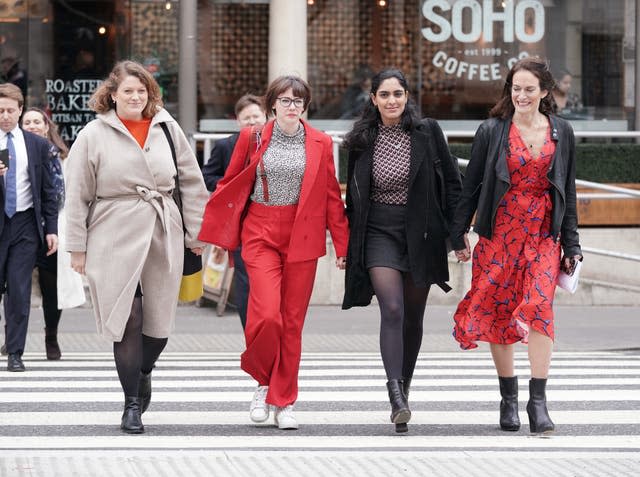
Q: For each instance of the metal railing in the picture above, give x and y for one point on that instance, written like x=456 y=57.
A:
x=612 y=192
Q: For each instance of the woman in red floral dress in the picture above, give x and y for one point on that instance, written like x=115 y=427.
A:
x=520 y=182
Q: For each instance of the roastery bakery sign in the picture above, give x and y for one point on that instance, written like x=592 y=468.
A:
x=68 y=101
x=487 y=35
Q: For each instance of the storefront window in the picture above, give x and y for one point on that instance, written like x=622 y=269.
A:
x=59 y=52
x=456 y=53
x=233 y=49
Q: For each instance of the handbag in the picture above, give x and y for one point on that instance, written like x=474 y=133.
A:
x=227 y=206
x=191 y=287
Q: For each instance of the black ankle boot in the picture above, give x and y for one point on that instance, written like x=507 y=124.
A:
x=51 y=344
x=509 y=419
x=406 y=384
x=131 y=420
x=400 y=413
x=539 y=420
x=144 y=390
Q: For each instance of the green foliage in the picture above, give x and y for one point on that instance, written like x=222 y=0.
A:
x=595 y=162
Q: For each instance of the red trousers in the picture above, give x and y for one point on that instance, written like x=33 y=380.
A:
x=279 y=294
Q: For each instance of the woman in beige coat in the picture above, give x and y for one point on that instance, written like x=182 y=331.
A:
x=124 y=229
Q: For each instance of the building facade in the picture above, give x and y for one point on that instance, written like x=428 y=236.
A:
x=206 y=53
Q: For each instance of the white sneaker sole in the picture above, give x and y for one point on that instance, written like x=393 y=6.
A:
x=287 y=426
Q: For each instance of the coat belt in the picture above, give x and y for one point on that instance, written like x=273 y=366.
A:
x=158 y=200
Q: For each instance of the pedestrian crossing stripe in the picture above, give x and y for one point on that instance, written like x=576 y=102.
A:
x=292 y=441
x=54 y=405
x=239 y=418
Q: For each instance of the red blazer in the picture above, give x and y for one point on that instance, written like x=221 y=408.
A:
x=320 y=205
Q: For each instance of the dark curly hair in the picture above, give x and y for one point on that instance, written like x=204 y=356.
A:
x=365 y=129
x=540 y=69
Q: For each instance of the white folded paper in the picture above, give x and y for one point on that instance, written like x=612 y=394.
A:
x=570 y=282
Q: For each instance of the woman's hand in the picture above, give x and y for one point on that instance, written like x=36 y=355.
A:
x=197 y=250
x=568 y=264
x=218 y=254
x=341 y=262
x=465 y=254
x=78 y=260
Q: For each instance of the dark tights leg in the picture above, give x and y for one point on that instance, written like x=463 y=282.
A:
x=151 y=349
x=128 y=352
x=402 y=307
x=49 y=286
x=415 y=300
x=387 y=284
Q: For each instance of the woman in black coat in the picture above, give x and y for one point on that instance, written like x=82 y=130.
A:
x=402 y=190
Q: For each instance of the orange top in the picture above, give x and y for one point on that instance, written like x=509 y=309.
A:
x=138 y=129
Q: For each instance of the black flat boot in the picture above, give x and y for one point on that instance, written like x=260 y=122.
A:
x=406 y=384
x=144 y=391
x=131 y=420
x=539 y=420
x=509 y=419
x=51 y=344
x=400 y=413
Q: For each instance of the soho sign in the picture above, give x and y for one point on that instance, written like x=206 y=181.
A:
x=483 y=18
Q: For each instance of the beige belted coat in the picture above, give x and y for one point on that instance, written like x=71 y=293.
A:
x=119 y=210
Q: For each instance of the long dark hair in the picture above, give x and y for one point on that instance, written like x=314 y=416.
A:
x=365 y=129
x=538 y=67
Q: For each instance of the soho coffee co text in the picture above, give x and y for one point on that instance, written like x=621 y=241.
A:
x=482 y=19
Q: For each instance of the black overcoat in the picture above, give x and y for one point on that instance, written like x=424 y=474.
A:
x=434 y=188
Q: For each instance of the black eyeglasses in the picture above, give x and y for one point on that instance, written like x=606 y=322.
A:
x=286 y=102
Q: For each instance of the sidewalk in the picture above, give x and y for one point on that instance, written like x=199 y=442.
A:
x=328 y=328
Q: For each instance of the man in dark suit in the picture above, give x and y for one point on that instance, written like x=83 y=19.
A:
x=249 y=112
x=28 y=220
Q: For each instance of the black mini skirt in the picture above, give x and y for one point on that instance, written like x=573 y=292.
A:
x=386 y=238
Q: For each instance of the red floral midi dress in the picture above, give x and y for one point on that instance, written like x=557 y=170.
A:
x=514 y=273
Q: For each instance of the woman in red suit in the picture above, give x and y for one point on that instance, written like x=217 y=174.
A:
x=295 y=198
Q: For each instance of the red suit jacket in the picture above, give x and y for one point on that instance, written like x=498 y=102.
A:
x=319 y=207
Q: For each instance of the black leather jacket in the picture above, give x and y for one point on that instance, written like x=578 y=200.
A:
x=487 y=180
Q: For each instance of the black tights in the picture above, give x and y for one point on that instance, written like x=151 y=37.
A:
x=136 y=352
x=402 y=307
x=48 y=282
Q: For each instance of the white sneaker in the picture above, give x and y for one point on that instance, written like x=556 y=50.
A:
x=285 y=419
x=259 y=409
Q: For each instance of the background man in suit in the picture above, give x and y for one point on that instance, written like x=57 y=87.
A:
x=28 y=220
x=249 y=112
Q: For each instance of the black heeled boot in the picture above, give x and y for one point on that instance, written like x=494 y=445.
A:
x=51 y=344
x=539 y=420
x=400 y=413
x=131 y=419
x=144 y=390
x=509 y=419
x=406 y=384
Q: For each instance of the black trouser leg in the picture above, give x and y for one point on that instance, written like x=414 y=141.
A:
x=48 y=281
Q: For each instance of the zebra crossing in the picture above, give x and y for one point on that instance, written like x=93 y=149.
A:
x=58 y=415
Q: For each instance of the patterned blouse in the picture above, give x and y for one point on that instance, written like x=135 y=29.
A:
x=284 y=163
x=391 y=160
